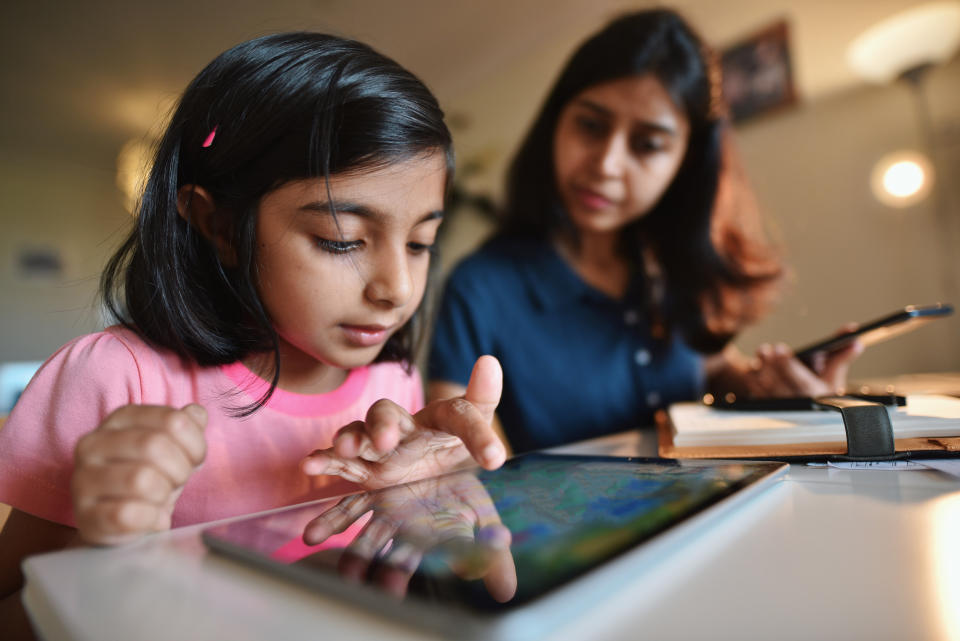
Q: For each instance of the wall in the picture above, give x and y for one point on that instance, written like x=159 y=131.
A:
x=50 y=201
x=853 y=258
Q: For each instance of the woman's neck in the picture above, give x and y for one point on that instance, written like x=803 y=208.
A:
x=596 y=259
x=299 y=373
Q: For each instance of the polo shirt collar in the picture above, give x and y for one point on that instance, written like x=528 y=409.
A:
x=552 y=283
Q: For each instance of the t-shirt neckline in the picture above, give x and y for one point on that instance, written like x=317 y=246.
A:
x=296 y=404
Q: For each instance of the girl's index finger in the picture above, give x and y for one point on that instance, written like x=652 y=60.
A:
x=463 y=419
x=386 y=425
x=485 y=386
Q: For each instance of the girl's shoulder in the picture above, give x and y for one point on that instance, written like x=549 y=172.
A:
x=112 y=347
x=116 y=358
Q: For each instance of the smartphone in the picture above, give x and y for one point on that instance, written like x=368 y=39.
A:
x=881 y=329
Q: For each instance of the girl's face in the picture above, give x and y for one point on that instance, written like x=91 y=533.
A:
x=617 y=147
x=337 y=288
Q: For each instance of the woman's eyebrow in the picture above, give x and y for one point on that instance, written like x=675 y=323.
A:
x=358 y=209
x=607 y=113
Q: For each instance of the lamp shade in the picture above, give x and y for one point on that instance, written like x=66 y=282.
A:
x=926 y=34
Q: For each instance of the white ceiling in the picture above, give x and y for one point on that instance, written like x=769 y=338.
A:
x=79 y=78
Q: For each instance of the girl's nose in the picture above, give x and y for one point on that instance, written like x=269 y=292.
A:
x=390 y=282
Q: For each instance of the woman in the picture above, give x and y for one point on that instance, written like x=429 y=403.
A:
x=628 y=255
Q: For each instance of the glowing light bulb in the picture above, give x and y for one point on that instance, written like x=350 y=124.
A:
x=902 y=179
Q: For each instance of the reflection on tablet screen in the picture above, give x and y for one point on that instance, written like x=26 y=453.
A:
x=486 y=540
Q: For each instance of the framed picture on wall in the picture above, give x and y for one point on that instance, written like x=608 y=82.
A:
x=757 y=73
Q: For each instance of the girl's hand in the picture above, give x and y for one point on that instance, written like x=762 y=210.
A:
x=130 y=471
x=392 y=447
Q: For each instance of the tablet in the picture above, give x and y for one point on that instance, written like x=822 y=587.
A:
x=503 y=554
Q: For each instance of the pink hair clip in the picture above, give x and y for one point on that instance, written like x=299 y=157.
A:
x=209 y=139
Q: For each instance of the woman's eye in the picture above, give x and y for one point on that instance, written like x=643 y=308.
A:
x=591 y=126
x=646 y=145
x=338 y=246
x=419 y=248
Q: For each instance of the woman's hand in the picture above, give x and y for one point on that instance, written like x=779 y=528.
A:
x=392 y=447
x=130 y=471
x=776 y=372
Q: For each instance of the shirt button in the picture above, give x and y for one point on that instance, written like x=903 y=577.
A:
x=631 y=317
x=653 y=399
x=642 y=357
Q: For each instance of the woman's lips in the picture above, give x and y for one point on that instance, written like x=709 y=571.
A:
x=592 y=200
x=366 y=335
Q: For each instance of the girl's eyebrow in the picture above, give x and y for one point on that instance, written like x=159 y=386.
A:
x=603 y=111
x=358 y=209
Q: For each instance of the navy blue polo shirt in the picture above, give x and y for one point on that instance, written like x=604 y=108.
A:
x=577 y=363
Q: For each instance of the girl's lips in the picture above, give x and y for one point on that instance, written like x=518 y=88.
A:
x=592 y=200
x=366 y=335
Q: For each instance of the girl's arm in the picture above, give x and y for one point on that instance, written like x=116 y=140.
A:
x=24 y=535
x=130 y=471
x=127 y=476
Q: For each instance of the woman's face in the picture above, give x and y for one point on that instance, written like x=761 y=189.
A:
x=616 y=149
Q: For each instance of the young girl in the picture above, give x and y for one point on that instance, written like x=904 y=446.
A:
x=268 y=297
x=628 y=255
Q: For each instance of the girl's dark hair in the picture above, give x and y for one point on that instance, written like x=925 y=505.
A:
x=282 y=107
x=702 y=234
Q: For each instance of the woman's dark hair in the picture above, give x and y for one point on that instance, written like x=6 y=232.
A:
x=280 y=108
x=715 y=267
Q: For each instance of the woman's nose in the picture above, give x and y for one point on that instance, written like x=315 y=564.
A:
x=613 y=155
x=390 y=281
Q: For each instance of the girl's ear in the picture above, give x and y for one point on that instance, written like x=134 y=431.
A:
x=196 y=206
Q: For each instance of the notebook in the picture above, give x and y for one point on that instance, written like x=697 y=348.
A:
x=927 y=423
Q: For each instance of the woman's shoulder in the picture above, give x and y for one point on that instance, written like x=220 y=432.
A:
x=501 y=257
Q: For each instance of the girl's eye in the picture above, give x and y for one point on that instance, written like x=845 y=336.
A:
x=419 y=248
x=338 y=246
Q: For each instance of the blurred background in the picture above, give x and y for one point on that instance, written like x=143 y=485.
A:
x=824 y=111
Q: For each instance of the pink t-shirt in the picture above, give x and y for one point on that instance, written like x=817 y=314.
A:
x=252 y=463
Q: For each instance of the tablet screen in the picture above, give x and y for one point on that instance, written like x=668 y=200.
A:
x=486 y=540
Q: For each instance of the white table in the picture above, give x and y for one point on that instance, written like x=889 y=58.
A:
x=825 y=554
